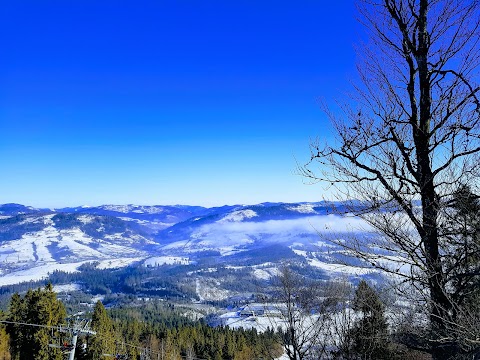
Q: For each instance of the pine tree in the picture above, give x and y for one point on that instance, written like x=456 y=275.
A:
x=370 y=333
x=104 y=341
x=39 y=307
x=17 y=333
x=4 y=344
x=131 y=335
x=462 y=234
x=229 y=346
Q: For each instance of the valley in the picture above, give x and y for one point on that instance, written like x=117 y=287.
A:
x=185 y=254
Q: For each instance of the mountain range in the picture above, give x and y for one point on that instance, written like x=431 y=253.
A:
x=35 y=242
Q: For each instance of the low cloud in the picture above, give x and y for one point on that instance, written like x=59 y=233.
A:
x=329 y=224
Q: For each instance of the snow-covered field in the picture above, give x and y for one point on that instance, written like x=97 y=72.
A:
x=238 y=215
x=303 y=208
x=42 y=271
x=335 y=268
x=37 y=273
x=207 y=289
x=168 y=260
x=67 y=288
x=118 y=263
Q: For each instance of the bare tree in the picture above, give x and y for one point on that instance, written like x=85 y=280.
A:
x=305 y=315
x=409 y=135
x=340 y=297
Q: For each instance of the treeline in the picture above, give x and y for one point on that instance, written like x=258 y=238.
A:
x=154 y=331
x=98 y=225
x=174 y=338
x=138 y=280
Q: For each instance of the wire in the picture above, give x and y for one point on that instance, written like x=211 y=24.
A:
x=22 y=323
x=59 y=328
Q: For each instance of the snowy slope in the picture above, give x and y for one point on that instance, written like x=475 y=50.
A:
x=34 y=244
x=155 y=217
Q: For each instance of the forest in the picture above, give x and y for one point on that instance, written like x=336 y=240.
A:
x=35 y=326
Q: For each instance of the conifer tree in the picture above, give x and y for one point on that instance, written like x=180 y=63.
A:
x=229 y=346
x=17 y=333
x=370 y=333
x=39 y=307
x=131 y=335
x=462 y=234
x=104 y=341
x=4 y=344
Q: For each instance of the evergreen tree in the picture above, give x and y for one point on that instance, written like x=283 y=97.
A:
x=462 y=235
x=104 y=341
x=39 y=307
x=370 y=333
x=229 y=346
x=17 y=333
x=4 y=344
x=131 y=334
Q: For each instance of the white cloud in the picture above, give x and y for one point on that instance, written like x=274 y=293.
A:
x=312 y=224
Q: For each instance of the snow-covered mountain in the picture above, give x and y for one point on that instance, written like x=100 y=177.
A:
x=17 y=209
x=38 y=242
x=34 y=242
x=155 y=217
x=268 y=232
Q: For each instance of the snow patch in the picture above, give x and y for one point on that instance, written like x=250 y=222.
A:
x=66 y=288
x=117 y=263
x=37 y=273
x=137 y=209
x=206 y=290
x=86 y=219
x=334 y=268
x=239 y=215
x=265 y=273
x=303 y=208
x=168 y=260
x=117 y=208
x=97 y=298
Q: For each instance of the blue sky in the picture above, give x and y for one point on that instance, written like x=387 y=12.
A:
x=167 y=102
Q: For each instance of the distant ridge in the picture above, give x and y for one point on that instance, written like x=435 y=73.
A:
x=35 y=242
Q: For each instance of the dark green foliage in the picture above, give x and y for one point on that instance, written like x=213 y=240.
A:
x=464 y=236
x=138 y=280
x=4 y=340
x=370 y=338
x=39 y=307
x=367 y=301
x=462 y=267
x=4 y=344
x=126 y=331
x=104 y=341
x=168 y=332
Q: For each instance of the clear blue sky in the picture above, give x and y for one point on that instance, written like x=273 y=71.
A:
x=166 y=102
